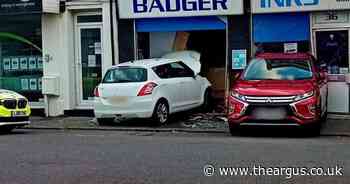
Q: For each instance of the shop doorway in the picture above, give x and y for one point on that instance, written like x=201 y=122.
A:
x=332 y=49
x=88 y=62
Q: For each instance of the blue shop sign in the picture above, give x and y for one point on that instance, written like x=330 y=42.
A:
x=288 y=3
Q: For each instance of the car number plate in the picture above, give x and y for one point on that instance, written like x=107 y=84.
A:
x=262 y=113
x=17 y=113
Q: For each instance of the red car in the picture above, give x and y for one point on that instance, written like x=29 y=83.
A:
x=278 y=89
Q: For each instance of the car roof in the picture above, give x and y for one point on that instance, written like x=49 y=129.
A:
x=287 y=56
x=146 y=63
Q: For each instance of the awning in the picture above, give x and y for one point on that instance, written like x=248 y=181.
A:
x=286 y=27
x=179 y=24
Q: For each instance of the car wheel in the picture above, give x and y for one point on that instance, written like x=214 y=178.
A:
x=312 y=130
x=105 y=121
x=6 y=130
x=207 y=103
x=161 y=113
x=234 y=130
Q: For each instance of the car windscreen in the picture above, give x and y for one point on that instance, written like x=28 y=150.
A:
x=125 y=74
x=278 y=69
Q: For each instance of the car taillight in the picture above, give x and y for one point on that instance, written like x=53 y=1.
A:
x=96 y=92
x=147 y=89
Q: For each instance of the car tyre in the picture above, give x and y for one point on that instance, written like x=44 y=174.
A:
x=312 y=130
x=207 y=105
x=105 y=121
x=6 y=130
x=234 y=130
x=161 y=113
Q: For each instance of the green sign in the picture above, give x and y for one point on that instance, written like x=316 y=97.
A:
x=239 y=59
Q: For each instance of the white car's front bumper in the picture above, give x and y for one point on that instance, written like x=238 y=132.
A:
x=139 y=107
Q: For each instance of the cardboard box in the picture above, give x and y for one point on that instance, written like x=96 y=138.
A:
x=216 y=76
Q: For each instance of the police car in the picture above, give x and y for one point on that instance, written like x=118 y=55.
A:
x=14 y=110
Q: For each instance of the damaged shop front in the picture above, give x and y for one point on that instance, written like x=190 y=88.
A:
x=153 y=28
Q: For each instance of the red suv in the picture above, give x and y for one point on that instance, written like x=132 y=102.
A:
x=278 y=89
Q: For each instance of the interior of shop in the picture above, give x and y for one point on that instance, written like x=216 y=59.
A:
x=210 y=44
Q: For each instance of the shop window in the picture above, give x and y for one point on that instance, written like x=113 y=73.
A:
x=279 y=47
x=21 y=67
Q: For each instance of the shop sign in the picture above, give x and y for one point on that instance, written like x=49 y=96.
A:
x=131 y=9
x=10 y=7
x=330 y=17
x=275 y=6
x=290 y=47
x=239 y=59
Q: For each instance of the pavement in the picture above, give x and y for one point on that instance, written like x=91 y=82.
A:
x=336 y=125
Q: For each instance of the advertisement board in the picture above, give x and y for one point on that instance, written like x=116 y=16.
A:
x=132 y=9
x=276 y=6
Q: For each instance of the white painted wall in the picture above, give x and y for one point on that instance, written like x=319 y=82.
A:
x=161 y=43
x=58 y=34
x=58 y=44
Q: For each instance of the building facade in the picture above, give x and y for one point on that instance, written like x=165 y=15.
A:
x=320 y=27
x=55 y=52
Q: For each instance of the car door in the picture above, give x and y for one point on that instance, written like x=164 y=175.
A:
x=190 y=86
x=170 y=86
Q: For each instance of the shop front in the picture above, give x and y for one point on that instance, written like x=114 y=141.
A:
x=320 y=27
x=21 y=58
x=78 y=46
x=162 y=26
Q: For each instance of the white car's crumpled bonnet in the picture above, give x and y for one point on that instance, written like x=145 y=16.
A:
x=190 y=58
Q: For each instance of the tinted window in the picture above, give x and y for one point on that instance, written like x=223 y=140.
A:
x=260 y=69
x=179 y=69
x=125 y=74
x=173 y=70
x=163 y=71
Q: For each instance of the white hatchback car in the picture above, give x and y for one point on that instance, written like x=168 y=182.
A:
x=152 y=88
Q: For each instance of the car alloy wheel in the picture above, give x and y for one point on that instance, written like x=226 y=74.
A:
x=162 y=113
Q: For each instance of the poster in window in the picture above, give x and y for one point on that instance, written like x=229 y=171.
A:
x=33 y=84
x=98 y=48
x=39 y=61
x=239 y=59
x=15 y=63
x=23 y=63
x=6 y=63
x=39 y=84
x=91 y=61
x=32 y=63
x=24 y=84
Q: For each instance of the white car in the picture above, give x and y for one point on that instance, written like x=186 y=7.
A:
x=152 y=88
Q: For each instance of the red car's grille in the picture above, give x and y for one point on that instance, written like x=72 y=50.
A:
x=270 y=99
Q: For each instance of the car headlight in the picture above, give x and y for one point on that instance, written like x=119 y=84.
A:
x=235 y=94
x=304 y=96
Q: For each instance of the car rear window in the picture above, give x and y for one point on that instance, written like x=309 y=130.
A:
x=125 y=75
x=278 y=69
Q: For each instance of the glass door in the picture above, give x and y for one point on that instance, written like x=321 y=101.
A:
x=89 y=68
